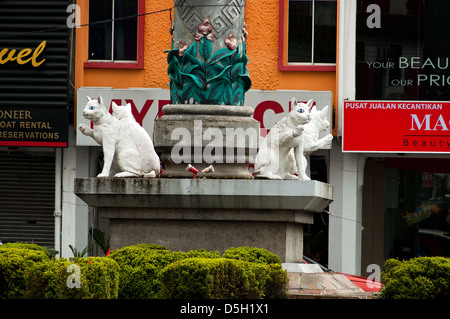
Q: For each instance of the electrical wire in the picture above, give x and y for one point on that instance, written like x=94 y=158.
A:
x=334 y=214
x=4 y=36
x=9 y=35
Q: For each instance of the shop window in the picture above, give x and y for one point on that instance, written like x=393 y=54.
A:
x=404 y=55
x=307 y=35
x=418 y=209
x=116 y=34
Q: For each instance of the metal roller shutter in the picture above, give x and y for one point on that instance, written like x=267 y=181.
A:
x=25 y=24
x=27 y=196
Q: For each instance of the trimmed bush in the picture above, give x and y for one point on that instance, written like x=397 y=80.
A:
x=15 y=266
x=222 y=278
x=102 y=276
x=252 y=254
x=271 y=277
x=50 y=281
x=24 y=246
x=417 y=278
x=48 y=250
x=140 y=265
x=272 y=280
x=141 y=271
x=198 y=278
x=82 y=278
x=28 y=272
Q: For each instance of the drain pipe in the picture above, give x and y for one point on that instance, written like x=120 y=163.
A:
x=58 y=213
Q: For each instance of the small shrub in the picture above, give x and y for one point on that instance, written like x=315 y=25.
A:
x=222 y=278
x=23 y=246
x=252 y=254
x=101 y=275
x=48 y=250
x=272 y=280
x=417 y=278
x=15 y=266
x=98 y=279
x=140 y=265
x=141 y=271
x=50 y=281
x=198 y=278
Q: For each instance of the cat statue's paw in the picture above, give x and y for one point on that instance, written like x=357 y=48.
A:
x=84 y=128
x=298 y=130
x=304 y=178
x=102 y=175
x=328 y=138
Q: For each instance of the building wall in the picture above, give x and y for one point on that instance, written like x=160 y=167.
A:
x=262 y=18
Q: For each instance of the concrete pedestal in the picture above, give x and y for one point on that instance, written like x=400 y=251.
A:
x=225 y=136
x=214 y=214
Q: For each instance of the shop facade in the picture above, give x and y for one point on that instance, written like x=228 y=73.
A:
x=34 y=119
x=393 y=119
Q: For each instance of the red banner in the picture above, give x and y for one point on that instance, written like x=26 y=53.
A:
x=396 y=126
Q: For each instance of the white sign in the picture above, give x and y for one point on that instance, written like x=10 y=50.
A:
x=269 y=106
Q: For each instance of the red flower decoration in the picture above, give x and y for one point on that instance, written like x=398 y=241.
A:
x=205 y=29
x=231 y=41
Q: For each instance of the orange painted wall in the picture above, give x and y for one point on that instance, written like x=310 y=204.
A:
x=262 y=18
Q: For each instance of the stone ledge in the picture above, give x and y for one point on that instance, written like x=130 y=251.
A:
x=272 y=215
x=308 y=196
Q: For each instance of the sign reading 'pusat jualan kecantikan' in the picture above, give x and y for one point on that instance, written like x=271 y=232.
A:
x=396 y=126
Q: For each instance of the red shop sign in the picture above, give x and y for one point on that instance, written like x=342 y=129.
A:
x=396 y=127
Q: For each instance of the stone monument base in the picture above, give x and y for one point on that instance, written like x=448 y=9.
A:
x=208 y=229
x=223 y=135
x=214 y=214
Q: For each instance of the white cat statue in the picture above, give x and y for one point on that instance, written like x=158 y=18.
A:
x=281 y=153
x=126 y=145
x=135 y=154
x=104 y=132
x=319 y=122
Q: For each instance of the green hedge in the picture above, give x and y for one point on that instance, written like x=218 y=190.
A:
x=197 y=278
x=28 y=272
x=417 y=278
x=81 y=278
x=140 y=265
x=252 y=254
x=141 y=271
x=15 y=266
x=24 y=246
x=222 y=278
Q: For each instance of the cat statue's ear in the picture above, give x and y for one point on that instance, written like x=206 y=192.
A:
x=324 y=112
x=100 y=100
x=294 y=102
x=309 y=104
x=128 y=106
x=88 y=98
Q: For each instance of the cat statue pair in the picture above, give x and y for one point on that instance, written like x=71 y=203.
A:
x=282 y=154
x=127 y=148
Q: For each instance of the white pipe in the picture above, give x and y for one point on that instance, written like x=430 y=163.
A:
x=340 y=68
x=346 y=57
x=58 y=212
